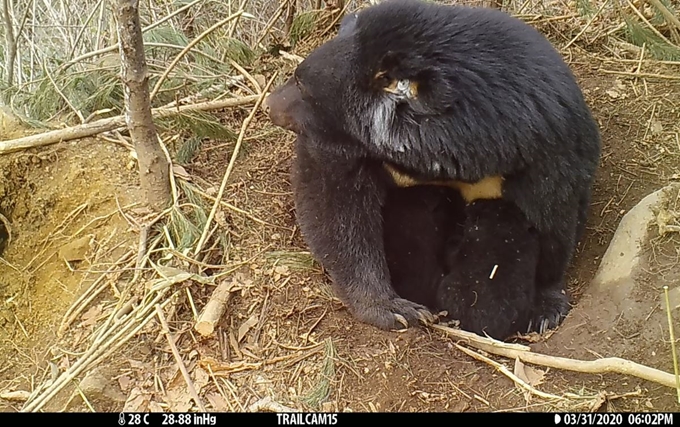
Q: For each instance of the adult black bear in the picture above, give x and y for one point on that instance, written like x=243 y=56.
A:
x=438 y=93
x=477 y=262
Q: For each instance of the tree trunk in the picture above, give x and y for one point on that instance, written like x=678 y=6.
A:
x=154 y=169
x=10 y=48
x=290 y=16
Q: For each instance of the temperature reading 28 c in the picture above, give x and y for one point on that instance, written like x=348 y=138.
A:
x=133 y=419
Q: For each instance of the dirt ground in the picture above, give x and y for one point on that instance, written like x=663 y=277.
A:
x=284 y=335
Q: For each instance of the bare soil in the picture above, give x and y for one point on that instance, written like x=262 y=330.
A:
x=284 y=335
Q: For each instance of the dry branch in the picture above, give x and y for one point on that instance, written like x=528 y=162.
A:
x=505 y=371
x=585 y=27
x=667 y=14
x=178 y=359
x=475 y=339
x=114 y=47
x=214 y=309
x=112 y=123
x=232 y=161
x=600 y=366
x=641 y=75
x=188 y=48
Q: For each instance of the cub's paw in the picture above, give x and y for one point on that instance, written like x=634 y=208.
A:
x=551 y=309
x=394 y=313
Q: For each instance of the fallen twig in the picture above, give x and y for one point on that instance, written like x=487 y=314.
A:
x=585 y=27
x=234 y=208
x=505 y=371
x=178 y=359
x=646 y=75
x=474 y=339
x=600 y=366
x=188 y=47
x=649 y=24
x=109 y=124
x=672 y=19
x=214 y=309
x=232 y=161
x=8 y=228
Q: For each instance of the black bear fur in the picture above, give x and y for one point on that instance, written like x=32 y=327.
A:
x=480 y=94
x=476 y=262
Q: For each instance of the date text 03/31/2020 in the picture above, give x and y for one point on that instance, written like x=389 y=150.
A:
x=646 y=419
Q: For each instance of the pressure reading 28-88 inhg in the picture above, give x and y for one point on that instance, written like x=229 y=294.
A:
x=167 y=419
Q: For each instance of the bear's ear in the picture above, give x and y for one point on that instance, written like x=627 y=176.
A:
x=390 y=61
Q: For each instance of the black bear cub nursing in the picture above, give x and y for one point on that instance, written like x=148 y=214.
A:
x=476 y=262
x=419 y=223
x=491 y=282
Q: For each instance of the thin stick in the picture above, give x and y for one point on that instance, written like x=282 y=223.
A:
x=117 y=45
x=505 y=371
x=647 y=75
x=247 y=75
x=178 y=359
x=649 y=24
x=234 y=208
x=672 y=333
x=111 y=123
x=188 y=47
x=600 y=366
x=232 y=161
x=8 y=228
x=672 y=19
x=585 y=27
x=477 y=341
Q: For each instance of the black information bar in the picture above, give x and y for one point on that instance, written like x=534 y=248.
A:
x=333 y=419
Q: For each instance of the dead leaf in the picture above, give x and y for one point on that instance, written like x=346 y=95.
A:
x=178 y=399
x=281 y=270
x=220 y=218
x=201 y=379
x=529 y=375
x=137 y=401
x=155 y=407
x=76 y=250
x=124 y=382
x=666 y=221
x=180 y=172
x=613 y=94
x=260 y=79
x=656 y=127
x=89 y=318
x=597 y=403
x=246 y=326
x=217 y=402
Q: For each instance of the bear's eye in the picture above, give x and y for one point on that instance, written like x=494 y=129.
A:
x=299 y=85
